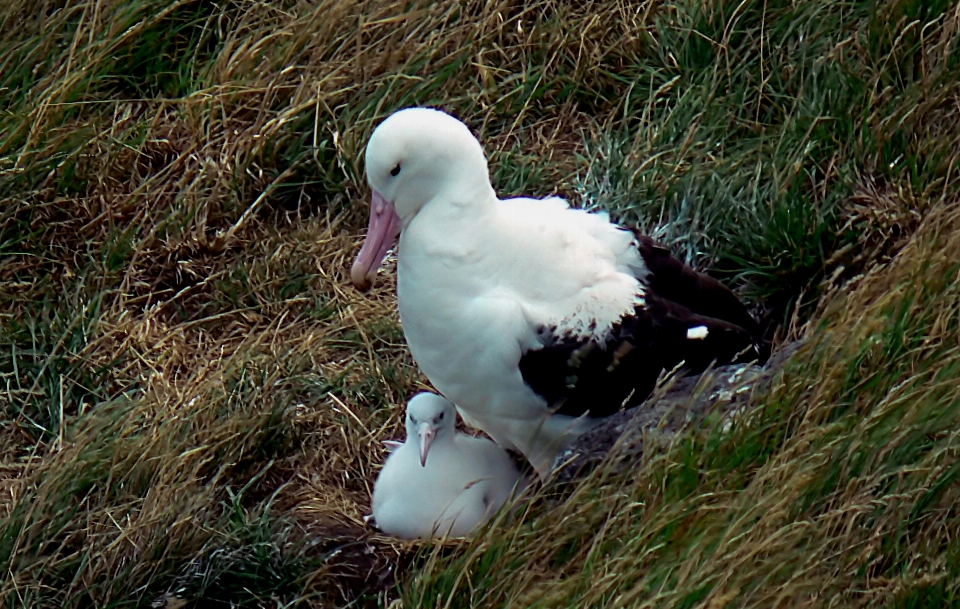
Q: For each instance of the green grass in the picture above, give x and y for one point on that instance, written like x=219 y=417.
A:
x=192 y=398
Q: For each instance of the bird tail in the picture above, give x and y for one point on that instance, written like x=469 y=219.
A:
x=701 y=294
x=696 y=341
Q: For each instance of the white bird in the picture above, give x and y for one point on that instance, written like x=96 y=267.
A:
x=440 y=481
x=533 y=318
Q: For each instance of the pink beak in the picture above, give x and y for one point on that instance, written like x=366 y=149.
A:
x=381 y=235
x=425 y=433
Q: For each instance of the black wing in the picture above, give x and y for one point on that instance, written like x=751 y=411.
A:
x=598 y=377
x=673 y=280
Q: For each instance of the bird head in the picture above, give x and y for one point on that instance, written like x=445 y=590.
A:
x=430 y=418
x=413 y=157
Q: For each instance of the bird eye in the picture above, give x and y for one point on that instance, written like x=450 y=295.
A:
x=395 y=171
x=440 y=418
x=412 y=420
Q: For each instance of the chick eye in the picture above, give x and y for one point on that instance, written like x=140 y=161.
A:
x=395 y=171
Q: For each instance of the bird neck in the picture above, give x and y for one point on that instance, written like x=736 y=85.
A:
x=450 y=224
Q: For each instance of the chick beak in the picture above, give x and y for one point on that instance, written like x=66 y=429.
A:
x=426 y=432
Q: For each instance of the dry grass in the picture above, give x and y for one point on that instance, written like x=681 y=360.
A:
x=193 y=398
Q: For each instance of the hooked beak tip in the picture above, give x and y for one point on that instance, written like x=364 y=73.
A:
x=361 y=282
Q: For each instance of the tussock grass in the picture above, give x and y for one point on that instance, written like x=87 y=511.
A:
x=193 y=398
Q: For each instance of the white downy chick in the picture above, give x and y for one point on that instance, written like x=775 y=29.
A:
x=440 y=481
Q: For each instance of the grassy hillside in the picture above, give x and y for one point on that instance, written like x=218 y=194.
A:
x=193 y=397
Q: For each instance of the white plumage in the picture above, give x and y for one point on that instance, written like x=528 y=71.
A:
x=525 y=313
x=440 y=481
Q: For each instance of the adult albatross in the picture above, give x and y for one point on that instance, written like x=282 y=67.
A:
x=533 y=318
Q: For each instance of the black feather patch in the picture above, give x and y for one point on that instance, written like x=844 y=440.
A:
x=598 y=377
x=673 y=280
